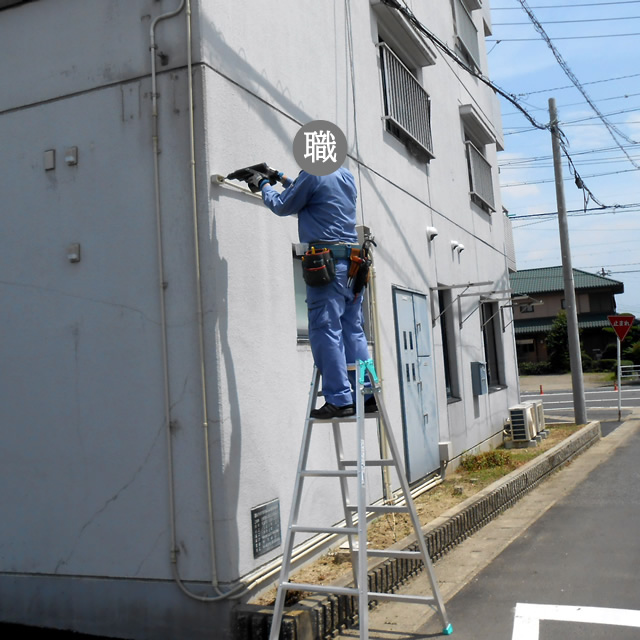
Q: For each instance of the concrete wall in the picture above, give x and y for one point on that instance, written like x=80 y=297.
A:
x=85 y=465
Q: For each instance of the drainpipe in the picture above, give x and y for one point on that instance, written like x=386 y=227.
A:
x=162 y=283
x=165 y=360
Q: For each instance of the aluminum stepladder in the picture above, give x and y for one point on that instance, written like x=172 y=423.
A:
x=355 y=528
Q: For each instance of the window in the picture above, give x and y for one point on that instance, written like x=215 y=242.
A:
x=492 y=343
x=448 y=343
x=480 y=179
x=466 y=32
x=478 y=135
x=526 y=308
x=407 y=106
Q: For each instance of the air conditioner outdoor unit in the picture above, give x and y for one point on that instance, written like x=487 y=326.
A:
x=539 y=415
x=523 y=422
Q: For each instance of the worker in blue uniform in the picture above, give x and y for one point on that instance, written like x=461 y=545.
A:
x=326 y=208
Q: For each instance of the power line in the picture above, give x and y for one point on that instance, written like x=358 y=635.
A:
x=575 y=104
x=514 y=24
x=600 y=35
x=595 y=175
x=567 y=6
x=548 y=157
x=571 y=86
x=555 y=129
x=576 y=211
x=613 y=129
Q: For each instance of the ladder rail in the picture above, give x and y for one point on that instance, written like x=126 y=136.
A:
x=356 y=530
x=294 y=511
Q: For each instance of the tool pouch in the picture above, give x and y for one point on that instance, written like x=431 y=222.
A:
x=361 y=279
x=318 y=269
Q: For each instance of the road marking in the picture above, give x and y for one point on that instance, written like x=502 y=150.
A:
x=526 y=622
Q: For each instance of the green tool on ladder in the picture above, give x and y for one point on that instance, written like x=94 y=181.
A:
x=355 y=515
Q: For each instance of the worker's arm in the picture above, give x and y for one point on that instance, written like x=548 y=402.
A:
x=293 y=198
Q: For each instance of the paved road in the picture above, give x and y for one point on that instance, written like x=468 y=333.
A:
x=552 y=567
x=581 y=560
x=602 y=403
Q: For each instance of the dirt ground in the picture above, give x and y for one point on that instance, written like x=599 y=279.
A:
x=388 y=529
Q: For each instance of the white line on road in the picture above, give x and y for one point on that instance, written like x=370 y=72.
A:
x=526 y=623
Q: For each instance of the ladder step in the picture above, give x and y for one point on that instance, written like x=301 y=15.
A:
x=388 y=553
x=319 y=588
x=351 y=591
x=298 y=528
x=330 y=473
x=381 y=509
x=370 y=463
x=374 y=595
x=353 y=418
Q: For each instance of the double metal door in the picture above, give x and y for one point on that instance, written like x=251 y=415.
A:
x=417 y=383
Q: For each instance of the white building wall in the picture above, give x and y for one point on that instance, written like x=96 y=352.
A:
x=85 y=465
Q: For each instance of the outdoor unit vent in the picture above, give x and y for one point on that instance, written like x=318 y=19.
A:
x=523 y=422
x=539 y=414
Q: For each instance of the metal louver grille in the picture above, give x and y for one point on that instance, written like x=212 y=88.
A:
x=406 y=104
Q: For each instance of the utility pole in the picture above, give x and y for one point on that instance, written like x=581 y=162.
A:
x=575 y=358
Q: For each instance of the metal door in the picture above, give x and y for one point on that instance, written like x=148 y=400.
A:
x=417 y=384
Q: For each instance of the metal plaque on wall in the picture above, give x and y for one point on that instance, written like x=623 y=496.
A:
x=265 y=525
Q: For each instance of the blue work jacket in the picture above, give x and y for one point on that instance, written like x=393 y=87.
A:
x=326 y=205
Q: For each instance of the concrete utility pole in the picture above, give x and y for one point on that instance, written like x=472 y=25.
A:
x=575 y=358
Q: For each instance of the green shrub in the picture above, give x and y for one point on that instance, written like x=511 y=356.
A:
x=610 y=352
x=533 y=368
x=486 y=460
x=633 y=353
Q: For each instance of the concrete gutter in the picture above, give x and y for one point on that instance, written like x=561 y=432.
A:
x=318 y=616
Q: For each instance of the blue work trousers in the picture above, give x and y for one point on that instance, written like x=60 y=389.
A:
x=336 y=335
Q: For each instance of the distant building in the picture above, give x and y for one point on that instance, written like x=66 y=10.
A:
x=595 y=299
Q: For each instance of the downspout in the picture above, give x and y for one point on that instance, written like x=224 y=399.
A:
x=162 y=283
x=165 y=360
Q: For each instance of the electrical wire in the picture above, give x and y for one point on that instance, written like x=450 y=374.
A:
x=613 y=129
x=631 y=205
x=408 y=14
x=568 y=6
x=514 y=24
x=600 y=35
x=571 y=86
x=575 y=104
x=553 y=127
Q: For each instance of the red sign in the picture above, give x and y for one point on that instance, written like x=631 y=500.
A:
x=621 y=325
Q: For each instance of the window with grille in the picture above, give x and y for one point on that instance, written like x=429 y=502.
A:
x=480 y=178
x=407 y=106
x=466 y=31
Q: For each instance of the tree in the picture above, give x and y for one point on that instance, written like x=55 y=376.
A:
x=558 y=344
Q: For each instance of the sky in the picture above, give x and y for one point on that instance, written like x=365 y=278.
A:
x=589 y=36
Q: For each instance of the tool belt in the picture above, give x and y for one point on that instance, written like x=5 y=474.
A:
x=318 y=266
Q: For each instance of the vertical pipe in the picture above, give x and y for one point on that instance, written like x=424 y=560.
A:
x=160 y=259
x=579 y=404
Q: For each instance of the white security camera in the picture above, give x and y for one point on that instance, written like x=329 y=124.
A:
x=432 y=232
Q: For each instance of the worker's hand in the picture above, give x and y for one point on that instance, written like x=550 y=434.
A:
x=256 y=181
x=274 y=175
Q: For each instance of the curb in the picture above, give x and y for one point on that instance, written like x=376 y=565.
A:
x=319 y=616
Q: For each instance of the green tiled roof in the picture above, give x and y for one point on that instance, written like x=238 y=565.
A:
x=543 y=325
x=550 y=279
